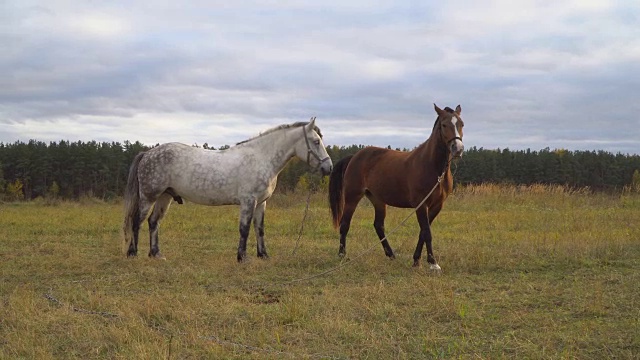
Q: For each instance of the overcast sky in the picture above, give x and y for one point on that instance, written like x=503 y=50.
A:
x=528 y=74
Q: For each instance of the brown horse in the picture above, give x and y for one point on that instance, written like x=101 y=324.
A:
x=400 y=179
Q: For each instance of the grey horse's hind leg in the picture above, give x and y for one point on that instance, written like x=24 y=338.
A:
x=258 y=227
x=247 y=208
x=143 y=207
x=159 y=210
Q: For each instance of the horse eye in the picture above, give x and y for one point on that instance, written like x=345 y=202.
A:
x=317 y=142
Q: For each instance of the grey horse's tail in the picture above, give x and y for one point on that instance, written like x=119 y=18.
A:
x=131 y=202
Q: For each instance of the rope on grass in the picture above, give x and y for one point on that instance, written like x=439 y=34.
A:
x=306 y=211
x=51 y=298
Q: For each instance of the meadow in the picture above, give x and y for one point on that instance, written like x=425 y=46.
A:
x=539 y=272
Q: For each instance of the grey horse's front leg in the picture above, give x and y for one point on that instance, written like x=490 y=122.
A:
x=247 y=208
x=258 y=227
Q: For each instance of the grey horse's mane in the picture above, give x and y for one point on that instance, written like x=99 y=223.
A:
x=280 y=127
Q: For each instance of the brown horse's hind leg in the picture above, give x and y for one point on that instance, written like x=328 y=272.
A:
x=353 y=191
x=350 y=204
x=345 y=224
x=378 y=224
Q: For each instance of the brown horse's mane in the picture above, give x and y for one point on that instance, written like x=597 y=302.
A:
x=447 y=109
x=435 y=127
x=280 y=127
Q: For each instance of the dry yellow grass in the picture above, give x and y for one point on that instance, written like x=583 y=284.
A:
x=528 y=272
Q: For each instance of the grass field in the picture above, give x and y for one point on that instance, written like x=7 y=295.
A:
x=537 y=272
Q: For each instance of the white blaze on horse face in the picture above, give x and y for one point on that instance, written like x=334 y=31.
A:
x=457 y=147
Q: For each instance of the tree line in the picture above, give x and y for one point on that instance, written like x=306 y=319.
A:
x=71 y=170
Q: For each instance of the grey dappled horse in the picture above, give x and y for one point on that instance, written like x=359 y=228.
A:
x=245 y=175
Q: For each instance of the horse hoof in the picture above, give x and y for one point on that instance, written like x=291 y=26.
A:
x=131 y=254
x=242 y=258
x=391 y=256
x=435 y=268
x=416 y=263
x=157 y=256
x=263 y=256
x=342 y=254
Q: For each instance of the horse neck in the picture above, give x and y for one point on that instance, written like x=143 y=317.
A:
x=431 y=154
x=277 y=147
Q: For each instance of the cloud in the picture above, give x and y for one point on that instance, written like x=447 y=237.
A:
x=527 y=74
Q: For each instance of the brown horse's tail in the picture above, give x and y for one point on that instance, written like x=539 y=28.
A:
x=336 y=202
x=131 y=202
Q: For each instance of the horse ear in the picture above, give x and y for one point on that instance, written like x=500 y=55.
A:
x=312 y=124
x=458 y=109
x=438 y=110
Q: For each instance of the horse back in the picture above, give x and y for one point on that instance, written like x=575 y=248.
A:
x=186 y=171
x=392 y=177
x=381 y=173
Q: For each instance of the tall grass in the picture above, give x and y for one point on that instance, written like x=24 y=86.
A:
x=528 y=272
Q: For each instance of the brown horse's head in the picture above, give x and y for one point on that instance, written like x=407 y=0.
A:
x=450 y=124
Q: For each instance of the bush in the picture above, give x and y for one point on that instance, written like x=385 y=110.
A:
x=14 y=191
x=635 y=181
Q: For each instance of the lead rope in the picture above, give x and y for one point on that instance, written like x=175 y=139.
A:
x=306 y=211
x=316 y=169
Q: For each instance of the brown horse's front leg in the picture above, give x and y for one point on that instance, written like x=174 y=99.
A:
x=424 y=238
x=378 y=224
x=421 y=215
x=418 y=253
x=430 y=258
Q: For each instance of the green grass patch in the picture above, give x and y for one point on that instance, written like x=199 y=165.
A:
x=528 y=272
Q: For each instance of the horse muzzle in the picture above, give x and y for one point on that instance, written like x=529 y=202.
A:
x=326 y=166
x=456 y=147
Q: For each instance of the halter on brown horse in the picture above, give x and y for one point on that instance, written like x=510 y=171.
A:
x=400 y=179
